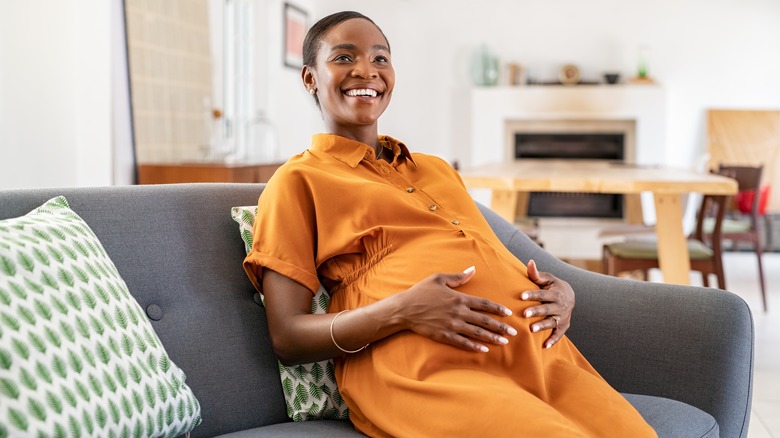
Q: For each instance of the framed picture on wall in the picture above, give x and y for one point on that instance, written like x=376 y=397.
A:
x=295 y=27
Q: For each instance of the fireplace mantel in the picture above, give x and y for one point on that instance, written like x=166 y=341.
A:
x=492 y=108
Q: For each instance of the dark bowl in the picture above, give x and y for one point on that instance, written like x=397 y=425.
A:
x=612 y=78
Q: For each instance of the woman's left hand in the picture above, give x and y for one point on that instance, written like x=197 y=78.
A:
x=557 y=301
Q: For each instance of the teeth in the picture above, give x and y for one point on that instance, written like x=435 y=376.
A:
x=362 y=92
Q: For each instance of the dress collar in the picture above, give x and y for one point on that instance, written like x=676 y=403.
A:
x=353 y=152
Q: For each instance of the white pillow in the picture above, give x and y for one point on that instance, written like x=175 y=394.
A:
x=77 y=355
x=310 y=390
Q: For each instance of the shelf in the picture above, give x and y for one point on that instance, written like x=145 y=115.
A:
x=171 y=173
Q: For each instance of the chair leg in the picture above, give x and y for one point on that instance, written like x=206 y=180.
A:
x=721 y=278
x=768 y=232
x=759 y=252
x=720 y=273
x=607 y=266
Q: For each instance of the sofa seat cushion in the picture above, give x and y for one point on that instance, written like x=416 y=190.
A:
x=669 y=418
x=313 y=428
x=674 y=419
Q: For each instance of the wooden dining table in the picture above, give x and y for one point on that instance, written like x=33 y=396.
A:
x=510 y=180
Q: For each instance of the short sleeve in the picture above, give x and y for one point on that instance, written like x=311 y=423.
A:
x=285 y=231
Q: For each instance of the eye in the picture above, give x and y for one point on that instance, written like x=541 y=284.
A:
x=342 y=58
x=381 y=58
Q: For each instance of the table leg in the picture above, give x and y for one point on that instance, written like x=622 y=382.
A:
x=673 y=258
x=504 y=203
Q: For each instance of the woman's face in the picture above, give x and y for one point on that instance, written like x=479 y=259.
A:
x=354 y=77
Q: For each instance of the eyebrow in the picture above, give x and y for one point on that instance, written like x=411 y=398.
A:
x=348 y=46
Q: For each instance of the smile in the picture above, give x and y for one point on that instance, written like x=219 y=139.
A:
x=366 y=92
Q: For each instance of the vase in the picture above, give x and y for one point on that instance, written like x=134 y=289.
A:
x=263 y=146
x=484 y=67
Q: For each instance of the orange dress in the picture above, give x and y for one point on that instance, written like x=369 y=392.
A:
x=368 y=229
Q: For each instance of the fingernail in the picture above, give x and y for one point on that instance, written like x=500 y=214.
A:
x=483 y=349
x=548 y=345
x=529 y=314
x=535 y=328
x=512 y=331
x=503 y=340
x=507 y=312
x=469 y=270
x=524 y=296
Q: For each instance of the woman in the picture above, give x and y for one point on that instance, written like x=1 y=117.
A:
x=421 y=348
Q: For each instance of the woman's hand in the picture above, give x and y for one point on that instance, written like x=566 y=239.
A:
x=557 y=298
x=435 y=310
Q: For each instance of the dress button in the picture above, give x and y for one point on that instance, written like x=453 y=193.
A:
x=455 y=222
x=410 y=189
x=432 y=207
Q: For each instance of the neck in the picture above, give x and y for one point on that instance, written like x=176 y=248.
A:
x=364 y=134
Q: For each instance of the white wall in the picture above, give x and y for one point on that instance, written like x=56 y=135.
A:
x=280 y=92
x=55 y=71
x=705 y=53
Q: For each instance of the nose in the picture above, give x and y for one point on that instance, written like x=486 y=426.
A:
x=364 y=69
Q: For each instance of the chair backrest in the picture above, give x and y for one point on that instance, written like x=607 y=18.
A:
x=748 y=179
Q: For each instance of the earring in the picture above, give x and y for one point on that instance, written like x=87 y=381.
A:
x=312 y=91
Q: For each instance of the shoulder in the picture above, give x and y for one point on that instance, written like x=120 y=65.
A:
x=306 y=175
x=292 y=177
x=300 y=167
x=431 y=163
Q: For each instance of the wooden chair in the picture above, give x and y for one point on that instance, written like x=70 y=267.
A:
x=743 y=227
x=642 y=255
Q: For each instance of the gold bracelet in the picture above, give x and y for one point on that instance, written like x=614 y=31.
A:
x=334 y=339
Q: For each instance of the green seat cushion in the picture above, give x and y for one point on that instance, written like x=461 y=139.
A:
x=78 y=357
x=648 y=249
x=728 y=225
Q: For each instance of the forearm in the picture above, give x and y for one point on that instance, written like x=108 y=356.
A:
x=430 y=308
x=318 y=337
x=301 y=337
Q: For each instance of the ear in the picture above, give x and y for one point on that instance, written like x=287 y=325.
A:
x=307 y=75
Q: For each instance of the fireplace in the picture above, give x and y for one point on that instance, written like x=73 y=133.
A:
x=498 y=113
x=570 y=146
x=590 y=146
x=610 y=140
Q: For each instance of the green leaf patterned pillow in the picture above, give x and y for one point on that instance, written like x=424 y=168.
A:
x=77 y=355
x=310 y=390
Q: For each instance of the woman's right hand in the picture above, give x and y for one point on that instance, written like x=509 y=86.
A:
x=435 y=310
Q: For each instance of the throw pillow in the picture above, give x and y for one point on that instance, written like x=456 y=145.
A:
x=77 y=355
x=310 y=390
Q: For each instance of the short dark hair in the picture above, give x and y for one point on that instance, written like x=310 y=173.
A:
x=311 y=44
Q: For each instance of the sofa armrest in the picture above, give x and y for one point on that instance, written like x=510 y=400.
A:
x=685 y=343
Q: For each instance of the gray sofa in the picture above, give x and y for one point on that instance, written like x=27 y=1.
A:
x=682 y=355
